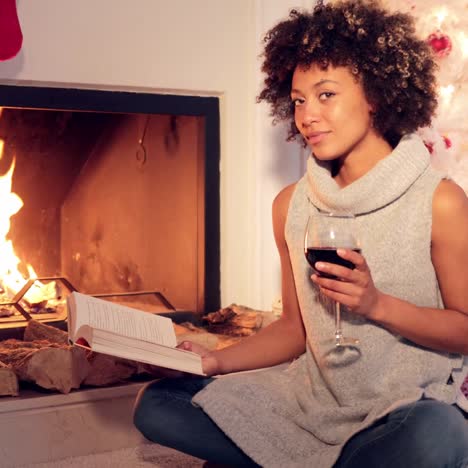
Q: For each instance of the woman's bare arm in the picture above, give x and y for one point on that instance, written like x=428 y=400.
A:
x=442 y=329
x=284 y=339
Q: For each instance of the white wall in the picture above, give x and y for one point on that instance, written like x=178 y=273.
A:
x=277 y=164
x=201 y=47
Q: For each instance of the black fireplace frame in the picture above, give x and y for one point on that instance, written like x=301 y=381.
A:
x=96 y=100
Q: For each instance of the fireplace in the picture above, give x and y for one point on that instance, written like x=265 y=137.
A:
x=120 y=194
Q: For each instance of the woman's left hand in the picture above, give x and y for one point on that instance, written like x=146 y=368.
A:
x=354 y=288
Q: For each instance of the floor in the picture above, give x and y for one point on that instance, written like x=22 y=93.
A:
x=145 y=455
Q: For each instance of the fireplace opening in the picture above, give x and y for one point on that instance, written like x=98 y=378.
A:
x=109 y=193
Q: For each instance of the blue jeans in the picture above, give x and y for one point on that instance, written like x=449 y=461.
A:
x=424 y=434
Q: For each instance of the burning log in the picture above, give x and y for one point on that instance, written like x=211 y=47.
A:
x=8 y=381
x=51 y=366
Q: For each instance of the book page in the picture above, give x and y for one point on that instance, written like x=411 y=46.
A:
x=122 y=320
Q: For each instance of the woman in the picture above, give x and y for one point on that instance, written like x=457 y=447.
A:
x=356 y=83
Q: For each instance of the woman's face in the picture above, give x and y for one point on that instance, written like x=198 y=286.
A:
x=331 y=111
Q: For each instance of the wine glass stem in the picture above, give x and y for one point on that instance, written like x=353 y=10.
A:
x=338 y=332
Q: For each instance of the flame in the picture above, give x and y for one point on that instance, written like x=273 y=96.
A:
x=10 y=204
x=11 y=279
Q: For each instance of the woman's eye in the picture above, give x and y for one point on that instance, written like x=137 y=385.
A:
x=325 y=96
x=297 y=102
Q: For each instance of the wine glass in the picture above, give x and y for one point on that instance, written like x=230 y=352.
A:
x=325 y=233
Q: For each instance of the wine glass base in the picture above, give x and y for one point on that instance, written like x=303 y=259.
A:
x=345 y=353
x=340 y=342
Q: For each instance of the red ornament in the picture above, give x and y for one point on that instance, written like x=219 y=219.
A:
x=440 y=43
x=430 y=146
x=447 y=141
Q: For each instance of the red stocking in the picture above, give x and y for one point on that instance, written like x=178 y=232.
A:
x=11 y=37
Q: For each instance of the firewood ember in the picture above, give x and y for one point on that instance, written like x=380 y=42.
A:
x=35 y=306
x=39 y=295
x=42 y=310
x=8 y=381
x=40 y=331
x=6 y=311
x=220 y=316
x=228 y=325
x=258 y=318
x=50 y=365
x=236 y=320
x=108 y=370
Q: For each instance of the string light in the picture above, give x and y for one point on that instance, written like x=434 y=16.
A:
x=441 y=14
x=444 y=28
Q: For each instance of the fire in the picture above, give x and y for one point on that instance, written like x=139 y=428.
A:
x=10 y=204
x=11 y=279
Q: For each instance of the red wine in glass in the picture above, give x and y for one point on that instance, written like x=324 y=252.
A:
x=327 y=255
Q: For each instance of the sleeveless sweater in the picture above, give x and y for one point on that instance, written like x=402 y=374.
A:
x=304 y=414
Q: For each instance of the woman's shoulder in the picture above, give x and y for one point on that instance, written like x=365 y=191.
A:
x=283 y=199
x=449 y=198
x=280 y=211
x=285 y=194
x=449 y=207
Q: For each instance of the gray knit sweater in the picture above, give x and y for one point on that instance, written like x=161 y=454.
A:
x=302 y=416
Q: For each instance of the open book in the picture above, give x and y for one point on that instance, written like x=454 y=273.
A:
x=109 y=328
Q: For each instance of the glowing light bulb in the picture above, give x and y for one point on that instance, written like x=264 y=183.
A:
x=463 y=39
x=446 y=93
x=441 y=14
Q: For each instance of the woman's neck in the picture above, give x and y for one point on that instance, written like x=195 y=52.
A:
x=360 y=160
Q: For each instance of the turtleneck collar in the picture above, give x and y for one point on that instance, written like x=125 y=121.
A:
x=385 y=182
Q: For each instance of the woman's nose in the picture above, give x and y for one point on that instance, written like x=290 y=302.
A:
x=310 y=115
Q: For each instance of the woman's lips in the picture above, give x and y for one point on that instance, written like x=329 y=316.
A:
x=316 y=137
